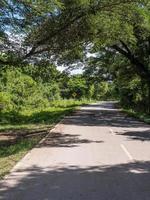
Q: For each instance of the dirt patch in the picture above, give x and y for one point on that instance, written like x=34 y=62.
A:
x=10 y=137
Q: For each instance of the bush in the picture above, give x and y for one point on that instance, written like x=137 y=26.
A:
x=51 y=91
x=101 y=90
x=20 y=91
x=5 y=102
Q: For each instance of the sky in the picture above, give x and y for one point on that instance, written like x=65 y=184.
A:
x=77 y=69
x=73 y=71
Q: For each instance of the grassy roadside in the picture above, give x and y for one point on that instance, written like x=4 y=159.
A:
x=9 y=155
x=141 y=116
x=16 y=127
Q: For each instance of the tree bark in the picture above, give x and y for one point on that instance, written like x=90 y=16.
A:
x=141 y=69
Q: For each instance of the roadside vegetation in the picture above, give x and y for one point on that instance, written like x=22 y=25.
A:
x=144 y=117
x=110 y=40
x=30 y=105
x=10 y=154
x=21 y=131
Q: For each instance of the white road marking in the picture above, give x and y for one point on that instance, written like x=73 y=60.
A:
x=126 y=152
x=111 y=131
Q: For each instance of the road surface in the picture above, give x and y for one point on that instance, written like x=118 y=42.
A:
x=98 y=153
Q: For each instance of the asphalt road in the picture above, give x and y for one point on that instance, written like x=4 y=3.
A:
x=98 y=153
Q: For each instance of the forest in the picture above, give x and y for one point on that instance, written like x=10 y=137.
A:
x=108 y=39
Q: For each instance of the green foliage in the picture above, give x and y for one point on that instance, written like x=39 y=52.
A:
x=101 y=90
x=133 y=93
x=9 y=155
x=51 y=91
x=77 y=87
x=43 y=72
x=139 y=115
x=22 y=90
x=64 y=31
x=5 y=102
x=91 y=91
x=28 y=123
x=57 y=29
x=129 y=87
x=68 y=103
x=26 y=100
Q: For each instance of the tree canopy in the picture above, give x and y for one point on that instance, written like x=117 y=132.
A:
x=60 y=28
x=117 y=32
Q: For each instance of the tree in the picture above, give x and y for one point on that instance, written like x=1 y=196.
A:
x=43 y=72
x=75 y=87
x=18 y=19
x=66 y=31
x=53 y=29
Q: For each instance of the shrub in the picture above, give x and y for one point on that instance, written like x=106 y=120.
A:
x=20 y=91
x=5 y=102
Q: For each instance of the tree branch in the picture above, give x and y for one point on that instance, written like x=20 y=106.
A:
x=140 y=67
x=125 y=46
x=92 y=10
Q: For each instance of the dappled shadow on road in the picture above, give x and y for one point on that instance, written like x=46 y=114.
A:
x=55 y=139
x=114 y=182
x=137 y=135
x=103 y=118
x=106 y=114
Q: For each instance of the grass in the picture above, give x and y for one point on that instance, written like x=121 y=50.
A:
x=138 y=115
x=19 y=125
x=38 y=118
x=9 y=155
x=33 y=119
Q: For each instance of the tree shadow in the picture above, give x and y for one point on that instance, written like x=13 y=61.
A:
x=128 y=181
x=137 y=135
x=105 y=117
x=12 y=138
x=44 y=118
x=55 y=139
x=103 y=114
